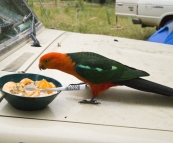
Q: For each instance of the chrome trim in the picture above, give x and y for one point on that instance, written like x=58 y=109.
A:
x=157 y=6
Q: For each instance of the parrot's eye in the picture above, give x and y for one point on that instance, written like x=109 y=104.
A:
x=46 y=61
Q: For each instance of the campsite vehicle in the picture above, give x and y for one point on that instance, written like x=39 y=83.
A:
x=124 y=115
x=146 y=12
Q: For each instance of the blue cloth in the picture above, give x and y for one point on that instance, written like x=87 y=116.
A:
x=163 y=35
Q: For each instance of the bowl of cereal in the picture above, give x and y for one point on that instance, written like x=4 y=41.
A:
x=13 y=89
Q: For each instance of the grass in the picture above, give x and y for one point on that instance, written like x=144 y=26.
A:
x=83 y=17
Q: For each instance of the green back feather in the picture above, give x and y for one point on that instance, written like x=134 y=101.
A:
x=97 y=69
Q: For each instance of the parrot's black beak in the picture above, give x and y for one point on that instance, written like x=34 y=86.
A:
x=41 y=67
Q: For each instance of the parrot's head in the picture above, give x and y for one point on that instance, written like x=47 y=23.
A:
x=49 y=61
x=57 y=61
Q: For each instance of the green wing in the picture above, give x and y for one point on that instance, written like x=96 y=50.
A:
x=97 y=69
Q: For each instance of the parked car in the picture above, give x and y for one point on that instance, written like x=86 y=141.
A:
x=125 y=115
x=146 y=12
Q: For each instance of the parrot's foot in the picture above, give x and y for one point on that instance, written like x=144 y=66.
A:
x=92 y=101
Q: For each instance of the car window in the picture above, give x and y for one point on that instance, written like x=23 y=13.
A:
x=12 y=14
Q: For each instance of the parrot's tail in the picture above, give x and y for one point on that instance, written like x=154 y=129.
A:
x=148 y=86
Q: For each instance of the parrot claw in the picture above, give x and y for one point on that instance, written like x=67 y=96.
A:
x=89 y=102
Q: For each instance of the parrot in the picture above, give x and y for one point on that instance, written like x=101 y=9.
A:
x=100 y=73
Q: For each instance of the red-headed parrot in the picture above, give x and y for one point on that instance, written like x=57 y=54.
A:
x=100 y=73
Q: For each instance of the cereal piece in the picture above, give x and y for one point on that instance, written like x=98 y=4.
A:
x=19 y=89
x=26 y=81
x=53 y=85
x=43 y=84
x=9 y=86
x=34 y=93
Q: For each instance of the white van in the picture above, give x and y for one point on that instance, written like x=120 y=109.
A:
x=146 y=12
